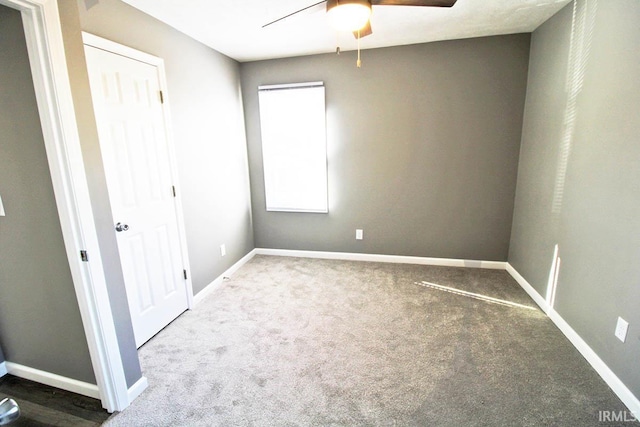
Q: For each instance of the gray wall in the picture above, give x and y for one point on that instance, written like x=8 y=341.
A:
x=590 y=204
x=208 y=125
x=204 y=91
x=40 y=324
x=423 y=146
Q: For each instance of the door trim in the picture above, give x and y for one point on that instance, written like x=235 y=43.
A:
x=118 y=49
x=62 y=144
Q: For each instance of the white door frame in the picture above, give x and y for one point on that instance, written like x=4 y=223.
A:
x=55 y=105
x=113 y=47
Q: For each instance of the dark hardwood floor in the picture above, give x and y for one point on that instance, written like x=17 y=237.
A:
x=41 y=405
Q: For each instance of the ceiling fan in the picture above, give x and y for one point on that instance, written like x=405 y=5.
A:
x=353 y=15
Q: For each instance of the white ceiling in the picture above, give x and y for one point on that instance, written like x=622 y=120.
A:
x=234 y=27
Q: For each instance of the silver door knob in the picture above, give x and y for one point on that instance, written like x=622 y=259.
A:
x=121 y=227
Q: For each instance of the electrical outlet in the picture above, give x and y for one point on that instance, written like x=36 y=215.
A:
x=359 y=234
x=223 y=250
x=621 y=329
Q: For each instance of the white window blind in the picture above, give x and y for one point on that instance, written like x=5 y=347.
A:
x=294 y=147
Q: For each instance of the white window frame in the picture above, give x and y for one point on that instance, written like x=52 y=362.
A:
x=281 y=132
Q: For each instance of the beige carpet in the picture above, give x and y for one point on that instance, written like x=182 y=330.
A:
x=303 y=342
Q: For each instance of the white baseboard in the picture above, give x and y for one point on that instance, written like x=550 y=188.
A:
x=3 y=369
x=218 y=281
x=396 y=259
x=612 y=380
x=618 y=387
x=53 y=380
x=137 y=389
x=535 y=296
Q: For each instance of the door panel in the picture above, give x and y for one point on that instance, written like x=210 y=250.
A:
x=133 y=142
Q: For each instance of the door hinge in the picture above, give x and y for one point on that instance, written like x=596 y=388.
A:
x=184 y=272
x=173 y=189
x=161 y=98
x=84 y=256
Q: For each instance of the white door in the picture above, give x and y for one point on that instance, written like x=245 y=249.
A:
x=134 y=145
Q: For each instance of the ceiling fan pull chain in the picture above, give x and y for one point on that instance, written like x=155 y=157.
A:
x=358 y=62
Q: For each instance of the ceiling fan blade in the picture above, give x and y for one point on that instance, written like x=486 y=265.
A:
x=364 y=31
x=293 y=13
x=433 y=3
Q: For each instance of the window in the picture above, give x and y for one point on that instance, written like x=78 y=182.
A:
x=294 y=147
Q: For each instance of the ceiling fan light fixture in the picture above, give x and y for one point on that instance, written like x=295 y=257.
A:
x=348 y=15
